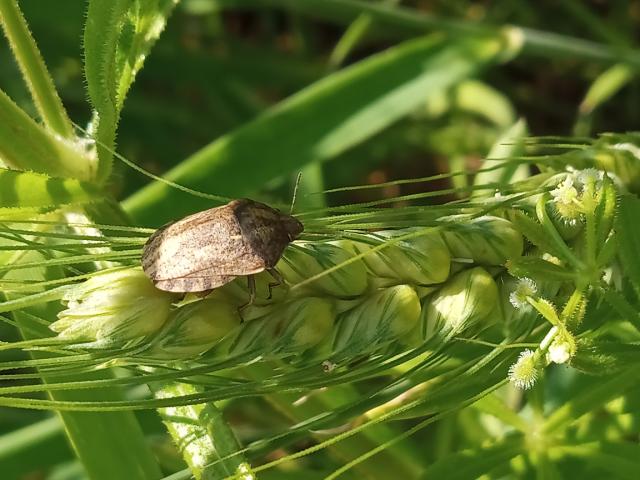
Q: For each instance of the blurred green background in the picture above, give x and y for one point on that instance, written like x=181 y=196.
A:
x=221 y=63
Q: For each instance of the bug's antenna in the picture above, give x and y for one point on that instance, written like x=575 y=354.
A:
x=295 y=192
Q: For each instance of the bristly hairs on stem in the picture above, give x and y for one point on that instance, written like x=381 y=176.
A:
x=295 y=192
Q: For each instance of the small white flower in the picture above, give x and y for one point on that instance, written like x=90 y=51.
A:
x=589 y=176
x=558 y=353
x=524 y=373
x=565 y=193
x=561 y=349
x=328 y=366
x=525 y=288
x=547 y=257
x=566 y=199
x=244 y=472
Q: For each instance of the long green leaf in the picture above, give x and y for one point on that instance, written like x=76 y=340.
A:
x=618 y=459
x=44 y=439
x=118 y=36
x=320 y=122
x=30 y=189
x=590 y=398
x=477 y=462
x=628 y=235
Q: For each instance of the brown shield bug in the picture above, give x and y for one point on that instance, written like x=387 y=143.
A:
x=208 y=249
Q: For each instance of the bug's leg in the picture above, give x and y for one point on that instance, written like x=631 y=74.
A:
x=279 y=280
x=251 y=283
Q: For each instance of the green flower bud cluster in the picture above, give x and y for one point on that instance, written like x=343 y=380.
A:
x=308 y=259
x=354 y=297
x=382 y=317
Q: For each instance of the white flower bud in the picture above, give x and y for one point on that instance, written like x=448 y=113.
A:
x=562 y=349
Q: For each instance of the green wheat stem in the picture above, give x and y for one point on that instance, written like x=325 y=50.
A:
x=202 y=435
x=34 y=70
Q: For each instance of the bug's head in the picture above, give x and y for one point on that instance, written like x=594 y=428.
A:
x=292 y=226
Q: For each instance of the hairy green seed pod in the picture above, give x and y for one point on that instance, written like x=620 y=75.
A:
x=568 y=229
x=116 y=306
x=421 y=260
x=195 y=328
x=382 y=317
x=303 y=260
x=468 y=298
x=486 y=240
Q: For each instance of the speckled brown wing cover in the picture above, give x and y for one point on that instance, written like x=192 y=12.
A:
x=208 y=249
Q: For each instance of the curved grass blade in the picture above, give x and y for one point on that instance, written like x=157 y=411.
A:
x=332 y=115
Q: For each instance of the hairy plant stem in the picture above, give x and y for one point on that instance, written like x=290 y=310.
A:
x=34 y=70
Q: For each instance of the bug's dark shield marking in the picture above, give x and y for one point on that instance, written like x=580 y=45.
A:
x=208 y=249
